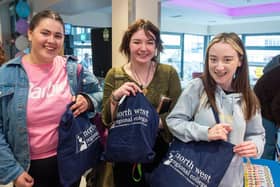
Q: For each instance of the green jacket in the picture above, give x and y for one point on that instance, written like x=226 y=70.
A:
x=165 y=82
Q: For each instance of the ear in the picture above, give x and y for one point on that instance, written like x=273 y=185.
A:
x=29 y=35
x=239 y=63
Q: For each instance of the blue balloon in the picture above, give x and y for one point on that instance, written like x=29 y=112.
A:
x=22 y=9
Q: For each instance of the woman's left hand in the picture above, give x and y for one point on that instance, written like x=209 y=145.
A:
x=80 y=105
x=246 y=149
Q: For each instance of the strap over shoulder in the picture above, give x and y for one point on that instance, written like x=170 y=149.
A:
x=73 y=71
x=71 y=58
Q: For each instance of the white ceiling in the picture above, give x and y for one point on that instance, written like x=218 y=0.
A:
x=198 y=14
x=172 y=10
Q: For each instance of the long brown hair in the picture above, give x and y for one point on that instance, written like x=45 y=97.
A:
x=240 y=83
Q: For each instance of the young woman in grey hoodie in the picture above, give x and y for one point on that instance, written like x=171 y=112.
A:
x=225 y=85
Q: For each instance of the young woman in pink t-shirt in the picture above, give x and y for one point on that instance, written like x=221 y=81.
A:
x=35 y=92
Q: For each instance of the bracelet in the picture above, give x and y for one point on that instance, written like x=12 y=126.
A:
x=114 y=98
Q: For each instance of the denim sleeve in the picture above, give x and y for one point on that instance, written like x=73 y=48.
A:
x=10 y=169
x=91 y=87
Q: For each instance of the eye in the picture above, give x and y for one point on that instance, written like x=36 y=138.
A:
x=45 y=33
x=228 y=60
x=136 y=42
x=58 y=36
x=212 y=60
x=151 y=42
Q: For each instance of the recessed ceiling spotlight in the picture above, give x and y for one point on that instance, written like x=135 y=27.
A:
x=176 y=16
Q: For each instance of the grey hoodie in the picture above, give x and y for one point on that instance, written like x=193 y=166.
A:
x=190 y=120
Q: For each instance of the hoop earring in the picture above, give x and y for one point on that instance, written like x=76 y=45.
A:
x=236 y=73
x=156 y=53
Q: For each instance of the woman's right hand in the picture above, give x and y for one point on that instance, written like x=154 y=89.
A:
x=219 y=132
x=24 y=180
x=126 y=89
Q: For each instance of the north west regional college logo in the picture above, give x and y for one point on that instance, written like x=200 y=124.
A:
x=86 y=138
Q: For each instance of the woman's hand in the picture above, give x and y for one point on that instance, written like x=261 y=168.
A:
x=24 y=180
x=246 y=149
x=126 y=89
x=219 y=132
x=81 y=105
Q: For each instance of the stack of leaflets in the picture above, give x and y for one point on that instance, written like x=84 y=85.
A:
x=257 y=176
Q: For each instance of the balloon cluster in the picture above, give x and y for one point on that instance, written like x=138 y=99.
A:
x=23 y=11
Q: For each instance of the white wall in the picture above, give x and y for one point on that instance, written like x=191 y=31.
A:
x=247 y=28
x=242 y=28
x=176 y=26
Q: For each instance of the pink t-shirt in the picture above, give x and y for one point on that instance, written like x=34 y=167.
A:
x=49 y=93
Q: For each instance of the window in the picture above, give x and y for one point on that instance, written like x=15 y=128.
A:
x=263 y=40
x=171 y=39
x=172 y=52
x=82 y=44
x=260 y=50
x=262 y=56
x=193 y=55
x=67 y=28
x=172 y=57
x=185 y=52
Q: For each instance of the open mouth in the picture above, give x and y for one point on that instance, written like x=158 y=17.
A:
x=220 y=74
x=50 y=48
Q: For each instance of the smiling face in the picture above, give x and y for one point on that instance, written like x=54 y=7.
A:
x=47 y=40
x=142 y=47
x=223 y=62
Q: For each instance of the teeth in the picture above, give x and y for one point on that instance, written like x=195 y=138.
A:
x=220 y=74
x=50 y=48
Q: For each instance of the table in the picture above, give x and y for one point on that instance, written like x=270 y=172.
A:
x=273 y=166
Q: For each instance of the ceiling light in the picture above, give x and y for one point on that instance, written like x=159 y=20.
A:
x=176 y=16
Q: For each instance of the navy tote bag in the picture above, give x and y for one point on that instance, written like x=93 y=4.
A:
x=79 y=147
x=133 y=134
x=193 y=164
x=79 y=143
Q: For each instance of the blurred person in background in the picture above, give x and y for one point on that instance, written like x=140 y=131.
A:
x=86 y=61
x=269 y=95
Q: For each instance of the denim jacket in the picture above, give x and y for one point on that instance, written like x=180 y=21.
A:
x=14 y=87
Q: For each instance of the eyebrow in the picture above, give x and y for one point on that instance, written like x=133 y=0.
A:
x=212 y=55
x=47 y=30
x=223 y=56
x=137 y=39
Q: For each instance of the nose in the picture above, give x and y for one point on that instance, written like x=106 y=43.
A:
x=220 y=65
x=143 y=46
x=51 y=38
